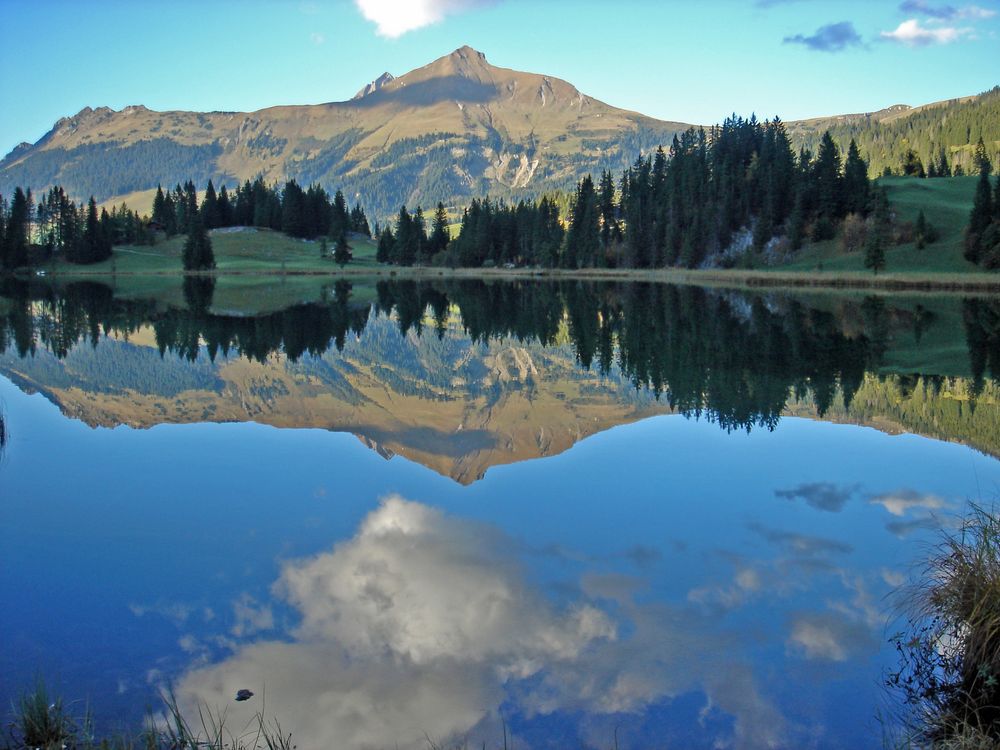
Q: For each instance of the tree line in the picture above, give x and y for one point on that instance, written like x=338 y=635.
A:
x=939 y=140
x=738 y=362
x=717 y=196
x=56 y=225
x=982 y=236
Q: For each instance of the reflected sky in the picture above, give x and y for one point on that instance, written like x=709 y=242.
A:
x=578 y=514
x=663 y=579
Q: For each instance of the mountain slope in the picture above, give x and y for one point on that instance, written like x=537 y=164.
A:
x=456 y=128
x=885 y=136
x=449 y=130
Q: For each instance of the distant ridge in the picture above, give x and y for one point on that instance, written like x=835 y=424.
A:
x=453 y=129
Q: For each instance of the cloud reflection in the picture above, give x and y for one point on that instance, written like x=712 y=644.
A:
x=423 y=625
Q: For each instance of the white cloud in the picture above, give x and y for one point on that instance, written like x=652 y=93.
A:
x=393 y=18
x=912 y=34
x=974 y=11
x=317 y=38
x=421 y=585
x=829 y=636
x=250 y=617
x=900 y=503
x=422 y=625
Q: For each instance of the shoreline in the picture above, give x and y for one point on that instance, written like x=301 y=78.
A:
x=934 y=283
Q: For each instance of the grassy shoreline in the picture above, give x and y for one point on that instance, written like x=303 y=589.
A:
x=903 y=281
x=248 y=252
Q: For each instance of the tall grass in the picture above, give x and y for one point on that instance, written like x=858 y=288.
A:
x=37 y=723
x=949 y=670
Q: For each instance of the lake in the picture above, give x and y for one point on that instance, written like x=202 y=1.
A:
x=413 y=514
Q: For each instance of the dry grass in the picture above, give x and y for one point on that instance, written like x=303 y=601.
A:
x=950 y=672
x=38 y=724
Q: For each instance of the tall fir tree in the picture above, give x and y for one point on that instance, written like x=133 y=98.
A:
x=980 y=217
x=438 y=240
x=856 y=188
x=878 y=233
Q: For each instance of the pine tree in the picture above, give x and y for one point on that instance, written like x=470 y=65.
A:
x=583 y=237
x=226 y=210
x=980 y=217
x=340 y=220
x=386 y=246
x=877 y=239
x=293 y=220
x=342 y=251
x=405 y=246
x=210 y=208
x=198 y=255
x=610 y=229
x=419 y=237
x=829 y=188
x=16 y=244
x=856 y=186
x=438 y=240
x=912 y=166
x=980 y=159
x=91 y=249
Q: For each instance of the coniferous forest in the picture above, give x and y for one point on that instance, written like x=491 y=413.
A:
x=737 y=194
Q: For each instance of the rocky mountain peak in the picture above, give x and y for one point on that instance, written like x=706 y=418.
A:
x=375 y=85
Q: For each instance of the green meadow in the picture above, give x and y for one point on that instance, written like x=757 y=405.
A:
x=946 y=203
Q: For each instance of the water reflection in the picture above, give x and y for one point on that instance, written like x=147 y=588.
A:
x=464 y=375
x=424 y=624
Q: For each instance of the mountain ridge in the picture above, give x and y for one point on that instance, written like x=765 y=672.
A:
x=450 y=130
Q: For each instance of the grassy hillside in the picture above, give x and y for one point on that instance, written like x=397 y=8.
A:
x=946 y=203
x=237 y=250
x=884 y=137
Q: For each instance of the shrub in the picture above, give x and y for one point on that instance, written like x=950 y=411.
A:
x=852 y=237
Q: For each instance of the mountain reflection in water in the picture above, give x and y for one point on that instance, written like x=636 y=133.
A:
x=712 y=581
x=464 y=375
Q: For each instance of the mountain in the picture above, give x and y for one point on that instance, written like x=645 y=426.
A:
x=454 y=406
x=884 y=137
x=452 y=129
x=456 y=128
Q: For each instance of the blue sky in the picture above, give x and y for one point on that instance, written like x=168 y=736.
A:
x=694 y=62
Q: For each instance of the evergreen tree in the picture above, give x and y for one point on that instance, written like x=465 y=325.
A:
x=226 y=208
x=583 y=237
x=17 y=230
x=419 y=237
x=877 y=239
x=210 y=214
x=359 y=222
x=912 y=166
x=342 y=252
x=92 y=240
x=980 y=217
x=386 y=246
x=856 y=186
x=438 y=240
x=980 y=159
x=162 y=213
x=293 y=220
x=198 y=255
x=340 y=220
x=610 y=228
x=828 y=188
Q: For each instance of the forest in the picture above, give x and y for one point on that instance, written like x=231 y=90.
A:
x=735 y=195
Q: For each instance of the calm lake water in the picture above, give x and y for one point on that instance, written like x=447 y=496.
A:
x=593 y=513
